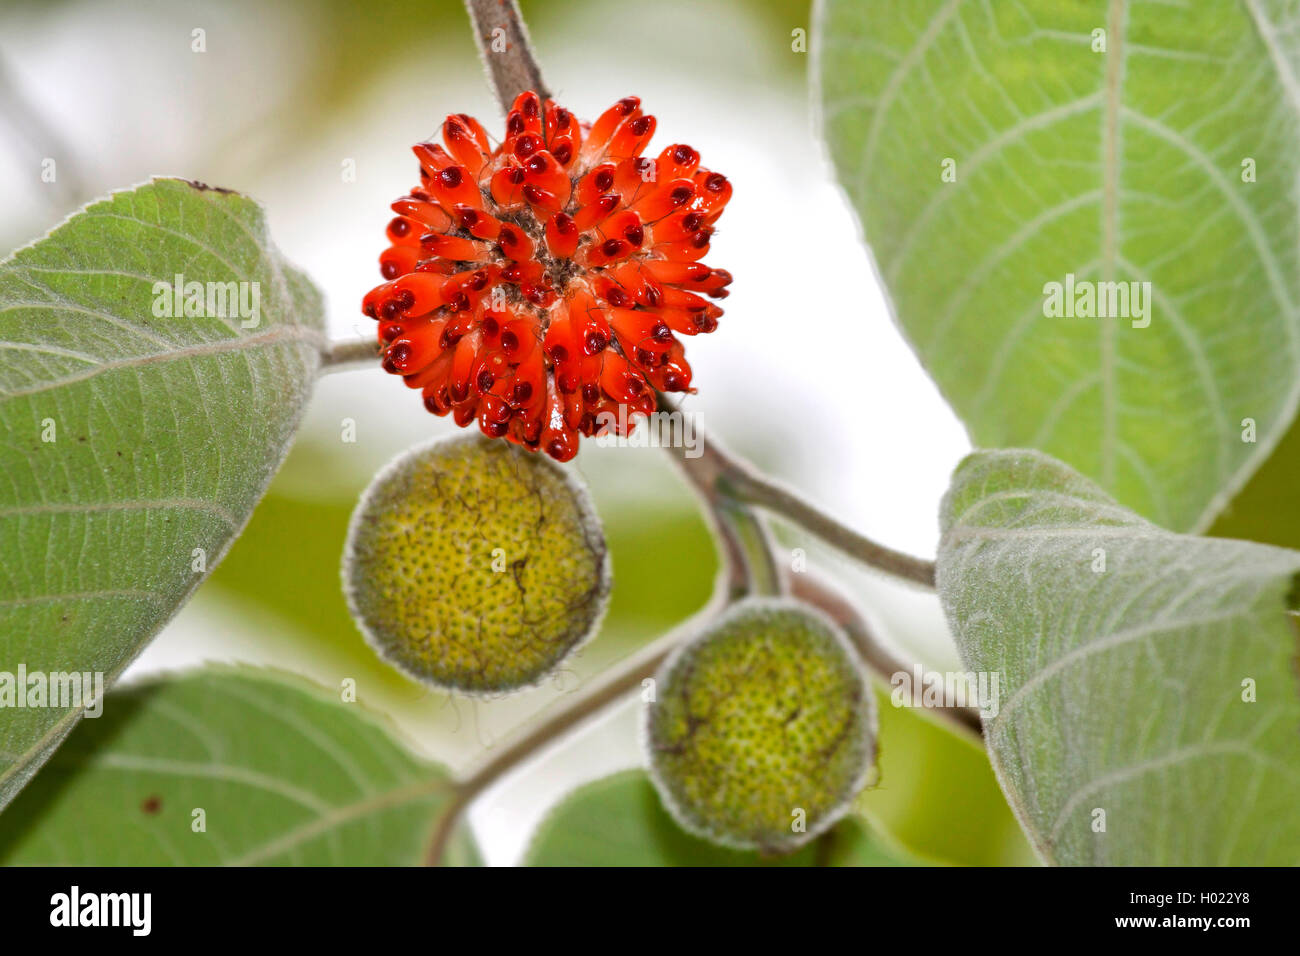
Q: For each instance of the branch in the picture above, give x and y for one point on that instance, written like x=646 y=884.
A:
x=763 y=492
x=719 y=474
x=344 y=356
x=875 y=653
x=748 y=564
x=508 y=54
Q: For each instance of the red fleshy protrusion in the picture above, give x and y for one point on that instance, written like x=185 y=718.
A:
x=535 y=287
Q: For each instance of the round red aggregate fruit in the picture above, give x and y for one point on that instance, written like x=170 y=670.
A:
x=539 y=288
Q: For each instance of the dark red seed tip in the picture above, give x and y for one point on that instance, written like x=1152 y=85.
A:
x=396 y=356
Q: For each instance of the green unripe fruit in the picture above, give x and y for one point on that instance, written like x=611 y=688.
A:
x=762 y=730
x=475 y=566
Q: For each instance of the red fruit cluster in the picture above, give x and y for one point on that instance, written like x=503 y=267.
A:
x=540 y=287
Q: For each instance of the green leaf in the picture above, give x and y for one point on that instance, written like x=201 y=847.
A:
x=133 y=447
x=1124 y=166
x=1146 y=675
x=285 y=773
x=619 y=821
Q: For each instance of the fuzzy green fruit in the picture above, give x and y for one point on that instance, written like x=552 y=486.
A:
x=475 y=566
x=763 y=728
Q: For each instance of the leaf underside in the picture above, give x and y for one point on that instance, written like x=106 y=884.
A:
x=1126 y=165
x=1147 y=679
x=132 y=447
x=284 y=774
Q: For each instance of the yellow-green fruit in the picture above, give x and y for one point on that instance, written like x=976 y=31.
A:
x=475 y=566
x=762 y=730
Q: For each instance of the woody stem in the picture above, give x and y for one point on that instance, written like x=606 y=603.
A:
x=342 y=356
x=506 y=51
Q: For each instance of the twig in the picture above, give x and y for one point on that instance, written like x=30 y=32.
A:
x=343 y=356
x=763 y=492
x=875 y=653
x=506 y=51
x=719 y=473
x=748 y=565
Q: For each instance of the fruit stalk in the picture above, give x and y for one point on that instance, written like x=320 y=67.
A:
x=507 y=53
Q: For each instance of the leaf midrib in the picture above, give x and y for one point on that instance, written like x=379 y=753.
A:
x=280 y=333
